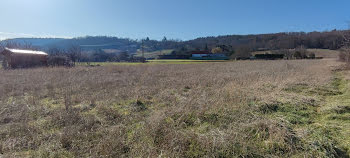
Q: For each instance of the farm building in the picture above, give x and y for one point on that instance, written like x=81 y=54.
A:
x=204 y=55
x=16 y=58
x=200 y=54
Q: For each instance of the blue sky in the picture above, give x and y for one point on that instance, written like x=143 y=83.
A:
x=177 y=19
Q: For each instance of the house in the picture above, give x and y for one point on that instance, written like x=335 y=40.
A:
x=200 y=54
x=16 y=58
x=205 y=55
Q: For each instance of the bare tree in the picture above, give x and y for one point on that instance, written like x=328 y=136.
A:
x=2 y=47
x=345 y=51
x=59 y=57
x=74 y=53
x=55 y=51
x=17 y=45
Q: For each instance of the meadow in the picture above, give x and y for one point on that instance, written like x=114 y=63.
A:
x=282 y=108
x=154 y=54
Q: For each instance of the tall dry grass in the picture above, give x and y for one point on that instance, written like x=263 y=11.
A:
x=194 y=110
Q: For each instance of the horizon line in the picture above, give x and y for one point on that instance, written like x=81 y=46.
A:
x=32 y=36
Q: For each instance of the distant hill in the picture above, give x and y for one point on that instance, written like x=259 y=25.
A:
x=86 y=43
x=231 y=44
x=38 y=42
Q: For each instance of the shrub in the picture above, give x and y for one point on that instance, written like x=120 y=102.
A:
x=60 y=61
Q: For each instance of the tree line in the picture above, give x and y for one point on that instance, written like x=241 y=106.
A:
x=93 y=48
x=243 y=45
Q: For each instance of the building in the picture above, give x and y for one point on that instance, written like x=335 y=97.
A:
x=16 y=58
x=204 y=55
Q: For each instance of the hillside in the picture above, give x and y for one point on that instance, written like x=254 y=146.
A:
x=86 y=43
x=230 y=44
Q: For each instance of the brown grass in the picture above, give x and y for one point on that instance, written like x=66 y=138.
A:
x=325 y=53
x=194 y=110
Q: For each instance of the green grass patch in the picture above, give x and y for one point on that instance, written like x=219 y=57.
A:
x=297 y=88
x=327 y=124
x=294 y=113
x=154 y=54
x=336 y=112
x=149 y=62
x=106 y=63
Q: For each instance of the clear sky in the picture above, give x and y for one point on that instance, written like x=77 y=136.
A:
x=178 y=19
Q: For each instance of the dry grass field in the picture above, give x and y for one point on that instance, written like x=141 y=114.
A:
x=297 y=108
x=325 y=53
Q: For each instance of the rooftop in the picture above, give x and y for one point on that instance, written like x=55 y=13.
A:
x=20 y=51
